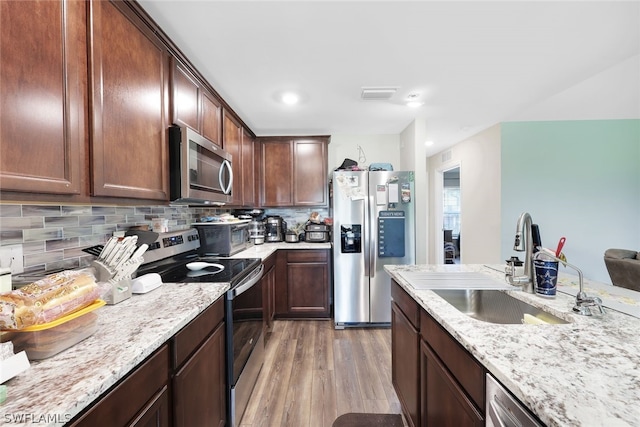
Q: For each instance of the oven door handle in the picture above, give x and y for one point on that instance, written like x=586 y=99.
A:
x=247 y=283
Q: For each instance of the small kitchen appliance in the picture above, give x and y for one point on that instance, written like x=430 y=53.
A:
x=275 y=228
x=223 y=238
x=256 y=232
x=319 y=233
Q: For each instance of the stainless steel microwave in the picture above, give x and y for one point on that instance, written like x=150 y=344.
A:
x=222 y=239
x=200 y=172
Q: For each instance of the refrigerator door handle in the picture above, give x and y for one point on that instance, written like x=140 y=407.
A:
x=367 y=238
x=372 y=251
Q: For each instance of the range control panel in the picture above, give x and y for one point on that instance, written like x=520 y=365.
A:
x=173 y=243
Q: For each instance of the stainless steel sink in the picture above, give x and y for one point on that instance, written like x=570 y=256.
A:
x=494 y=306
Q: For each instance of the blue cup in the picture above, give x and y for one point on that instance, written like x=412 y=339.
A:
x=546 y=277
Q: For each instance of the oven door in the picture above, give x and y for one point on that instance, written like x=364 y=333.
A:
x=245 y=341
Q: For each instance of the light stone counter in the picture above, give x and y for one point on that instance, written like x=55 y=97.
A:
x=263 y=251
x=585 y=373
x=54 y=390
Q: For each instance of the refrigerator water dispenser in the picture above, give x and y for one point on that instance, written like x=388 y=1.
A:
x=351 y=238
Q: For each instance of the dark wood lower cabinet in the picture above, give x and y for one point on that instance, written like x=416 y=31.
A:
x=444 y=402
x=182 y=384
x=405 y=365
x=137 y=400
x=438 y=382
x=303 y=284
x=156 y=414
x=199 y=386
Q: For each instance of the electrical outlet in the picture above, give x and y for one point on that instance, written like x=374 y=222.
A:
x=11 y=257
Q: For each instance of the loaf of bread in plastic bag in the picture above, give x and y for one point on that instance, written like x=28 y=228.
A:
x=47 y=299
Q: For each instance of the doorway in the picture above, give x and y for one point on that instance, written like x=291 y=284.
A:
x=448 y=215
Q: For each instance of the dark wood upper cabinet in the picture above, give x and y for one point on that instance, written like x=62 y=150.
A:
x=293 y=171
x=248 y=169
x=276 y=172
x=193 y=105
x=310 y=172
x=211 y=113
x=232 y=144
x=43 y=92
x=129 y=80
x=185 y=97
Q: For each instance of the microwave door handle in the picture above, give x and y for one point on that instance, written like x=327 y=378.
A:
x=227 y=189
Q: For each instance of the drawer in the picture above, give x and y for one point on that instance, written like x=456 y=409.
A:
x=406 y=304
x=310 y=255
x=463 y=366
x=191 y=336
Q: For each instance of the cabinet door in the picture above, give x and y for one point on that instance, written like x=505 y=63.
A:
x=199 y=393
x=211 y=117
x=156 y=414
x=185 y=97
x=310 y=172
x=444 y=403
x=134 y=398
x=129 y=102
x=42 y=96
x=232 y=141
x=405 y=364
x=303 y=284
x=248 y=169
x=276 y=180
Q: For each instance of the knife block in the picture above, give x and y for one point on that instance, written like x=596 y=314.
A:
x=115 y=292
x=118 y=292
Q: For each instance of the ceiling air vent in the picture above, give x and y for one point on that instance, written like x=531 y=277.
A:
x=378 y=93
x=446 y=156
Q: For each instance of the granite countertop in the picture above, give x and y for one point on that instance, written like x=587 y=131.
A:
x=585 y=373
x=263 y=251
x=54 y=390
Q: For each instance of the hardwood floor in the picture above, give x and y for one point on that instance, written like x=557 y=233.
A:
x=314 y=373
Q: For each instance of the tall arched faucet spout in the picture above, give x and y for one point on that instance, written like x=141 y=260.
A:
x=524 y=243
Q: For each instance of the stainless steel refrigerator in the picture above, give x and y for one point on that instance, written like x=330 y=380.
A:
x=373 y=226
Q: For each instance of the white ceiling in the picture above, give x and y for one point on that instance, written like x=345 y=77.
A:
x=473 y=63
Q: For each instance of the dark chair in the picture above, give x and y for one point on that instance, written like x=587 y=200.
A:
x=623 y=266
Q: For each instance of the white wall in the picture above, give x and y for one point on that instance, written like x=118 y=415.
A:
x=413 y=157
x=479 y=160
x=377 y=149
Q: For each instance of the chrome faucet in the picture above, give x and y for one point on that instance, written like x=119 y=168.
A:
x=583 y=301
x=523 y=243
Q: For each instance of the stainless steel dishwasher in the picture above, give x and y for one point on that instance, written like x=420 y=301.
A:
x=504 y=410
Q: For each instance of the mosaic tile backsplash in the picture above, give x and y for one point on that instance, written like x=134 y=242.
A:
x=53 y=236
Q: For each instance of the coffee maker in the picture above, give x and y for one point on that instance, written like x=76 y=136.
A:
x=275 y=227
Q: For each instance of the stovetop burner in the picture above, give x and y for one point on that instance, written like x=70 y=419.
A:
x=174 y=269
x=171 y=252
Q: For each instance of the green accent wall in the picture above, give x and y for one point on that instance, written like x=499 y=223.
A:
x=578 y=179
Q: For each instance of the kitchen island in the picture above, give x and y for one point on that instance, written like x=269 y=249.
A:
x=584 y=373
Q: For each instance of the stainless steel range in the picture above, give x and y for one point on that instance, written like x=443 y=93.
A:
x=244 y=308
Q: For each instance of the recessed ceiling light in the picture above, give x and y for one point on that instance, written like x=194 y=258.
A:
x=290 y=98
x=428 y=143
x=414 y=104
